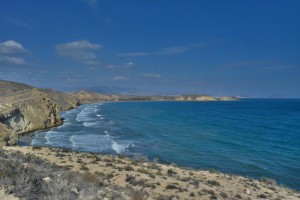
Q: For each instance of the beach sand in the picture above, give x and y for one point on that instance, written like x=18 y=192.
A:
x=160 y=179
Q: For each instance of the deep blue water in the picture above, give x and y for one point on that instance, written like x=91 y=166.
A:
x=252 y=137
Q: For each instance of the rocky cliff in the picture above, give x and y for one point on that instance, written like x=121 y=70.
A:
x=24 y=109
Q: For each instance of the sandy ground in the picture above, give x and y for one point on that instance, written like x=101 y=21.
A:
x=158 y=179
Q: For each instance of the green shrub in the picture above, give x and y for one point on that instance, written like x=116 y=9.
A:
x=128 y=168
x=213 y=182
x=171 y=187
x=171 y=172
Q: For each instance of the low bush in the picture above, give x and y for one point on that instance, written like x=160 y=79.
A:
x=268 y=181
x=128 y=168
x=171 y=187
x=171 y=172
x=213 y=182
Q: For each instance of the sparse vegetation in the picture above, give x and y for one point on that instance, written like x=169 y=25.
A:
x=262 y=196
x=213 y=183
x=171 y=172
x=128 y=168
x=98 y=176
x=171 y=187
x=29 y=177
x=268 y=181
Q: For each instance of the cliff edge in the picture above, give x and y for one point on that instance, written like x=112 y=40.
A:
x=24 y=109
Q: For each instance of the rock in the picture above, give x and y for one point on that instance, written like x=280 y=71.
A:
x=7 y=136
x=74 y=191
x=248 y=192
x=24 y=109
x=47 y=179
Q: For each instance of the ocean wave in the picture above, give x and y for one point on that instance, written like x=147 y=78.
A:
x=118 y=148
x=97 y=143
x=85 y=114
x=90 y=124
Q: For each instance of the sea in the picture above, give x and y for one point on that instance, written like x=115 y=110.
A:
x=251 y=137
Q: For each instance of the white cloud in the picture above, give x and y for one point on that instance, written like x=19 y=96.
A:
x=11 y=47
x=15 y=22
x=120 y=78
x=12 y=60
x=134 y=54
x=151 y=75
x=44 y=71
x=91 y=3
x=130 y=64
x=80 y=44
x=80 y=50
x=92 y=62
x=110 y=66
x=165 y=51
x=172 y=50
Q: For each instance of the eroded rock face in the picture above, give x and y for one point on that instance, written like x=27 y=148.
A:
x=25 y=109
x=15 y=120
x=7 y=136
x=31 y=111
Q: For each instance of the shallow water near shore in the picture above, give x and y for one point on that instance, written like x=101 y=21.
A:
x=252 y=137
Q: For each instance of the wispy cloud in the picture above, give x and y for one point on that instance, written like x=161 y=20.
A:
x=10 y=53
x=246 y=64
x=172 y=50
x=165 y=51
x=16 y=22
x=120 y=78
x=91 y=3
x=134 y=54
x=130 y=64
x=277 y=67
x=110 y=66
x=11 y=47
x=80 y=50
x=147 y=75
x=12 y=60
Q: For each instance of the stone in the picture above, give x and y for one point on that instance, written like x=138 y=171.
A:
x=248 y=192
x=47 y=179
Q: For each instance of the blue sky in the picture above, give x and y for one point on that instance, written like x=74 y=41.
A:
x=154 y=47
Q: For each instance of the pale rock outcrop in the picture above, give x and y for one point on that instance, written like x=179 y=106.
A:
x=24 y=109
x=7 y=136
x=195 y=98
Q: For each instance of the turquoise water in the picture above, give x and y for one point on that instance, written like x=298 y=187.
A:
x=252 y=137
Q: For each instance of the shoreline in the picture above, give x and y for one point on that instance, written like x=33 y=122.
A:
x=138 y=101
x=31 y=136
x=160 y=179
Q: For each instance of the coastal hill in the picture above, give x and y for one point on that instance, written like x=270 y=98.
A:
x=24 y=108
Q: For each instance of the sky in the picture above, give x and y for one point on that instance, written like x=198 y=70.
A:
x=214 y=47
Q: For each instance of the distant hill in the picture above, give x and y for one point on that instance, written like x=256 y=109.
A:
x=8 y=87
